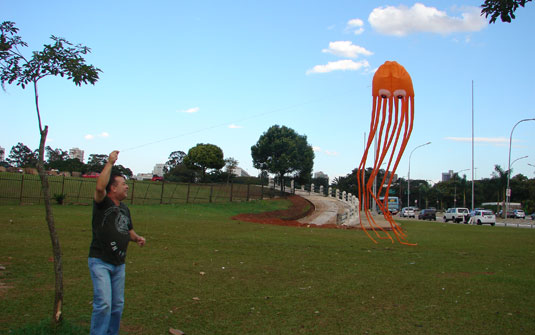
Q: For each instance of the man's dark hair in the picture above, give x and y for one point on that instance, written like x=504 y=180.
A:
x=112 y=180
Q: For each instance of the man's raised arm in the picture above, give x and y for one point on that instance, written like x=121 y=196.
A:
x=104 y=177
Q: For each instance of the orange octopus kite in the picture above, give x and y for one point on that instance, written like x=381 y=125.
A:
x=393 y=104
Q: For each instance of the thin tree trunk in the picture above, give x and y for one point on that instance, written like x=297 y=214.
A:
x=56 y=249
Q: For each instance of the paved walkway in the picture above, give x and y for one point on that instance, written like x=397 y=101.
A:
x=327 y=209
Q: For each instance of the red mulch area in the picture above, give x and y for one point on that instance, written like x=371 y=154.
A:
x=286 y=217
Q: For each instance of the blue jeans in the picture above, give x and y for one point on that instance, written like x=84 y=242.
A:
x=108 y=296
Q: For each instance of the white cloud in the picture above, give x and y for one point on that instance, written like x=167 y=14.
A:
x=341 y=65
x=346 y=49
x=331 y=153
x=233 y=126
x=90 y=137
x=402 y=20
x=356 y=26
x=327 y=152
x=190 y=110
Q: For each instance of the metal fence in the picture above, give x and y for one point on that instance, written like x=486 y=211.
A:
x=21 y=189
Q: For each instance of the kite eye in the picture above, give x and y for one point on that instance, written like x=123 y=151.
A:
x=383 y=93
x=400 y=94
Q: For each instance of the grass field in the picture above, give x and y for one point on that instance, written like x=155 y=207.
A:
x=203 y=273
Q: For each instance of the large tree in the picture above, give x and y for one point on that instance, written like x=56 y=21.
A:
x=56 y=154
x=96 y=162
x=280 y=150
x=22 y=156
x=504 y=9
x=60 y=58
x=230 y=165
x=205 y=156
x=175 y=159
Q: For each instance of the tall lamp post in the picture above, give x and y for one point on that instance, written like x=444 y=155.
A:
x=455 y=187
x=409 y=175
x=508 y=190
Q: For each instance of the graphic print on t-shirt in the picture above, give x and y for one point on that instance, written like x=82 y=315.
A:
x=115 y=225
x=120 y=220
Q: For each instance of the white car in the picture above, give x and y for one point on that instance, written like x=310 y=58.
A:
x=457 y=215
x=519 y=214
x=407 y=212
x=483 y=217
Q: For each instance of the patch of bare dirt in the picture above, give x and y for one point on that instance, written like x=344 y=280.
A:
x=286 y=217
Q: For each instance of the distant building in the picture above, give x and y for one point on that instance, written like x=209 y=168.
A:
x=158 y=170
x=446 y=176
x=76 y=153
x=2 y=154
x=320 y=174
x=239 y=172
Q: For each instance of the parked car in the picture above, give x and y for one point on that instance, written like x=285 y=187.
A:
x=457 y=215
x=91 y=175
x=428 y=214
x=483 y=216
x=157 y=178
x=519 y=214
x=407 y=212
x=510 y=214
x=532 y=216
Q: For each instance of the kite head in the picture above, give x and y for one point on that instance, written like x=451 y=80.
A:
x=391 y=79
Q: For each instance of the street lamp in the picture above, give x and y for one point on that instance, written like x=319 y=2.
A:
x=507 y=190
x=455 y=187
x=409 y=175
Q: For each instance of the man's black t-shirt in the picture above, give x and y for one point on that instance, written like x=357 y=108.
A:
x=111 y=225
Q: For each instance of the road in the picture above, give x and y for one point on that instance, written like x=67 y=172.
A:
x=511 y=223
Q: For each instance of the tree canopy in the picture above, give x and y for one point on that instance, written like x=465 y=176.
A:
x=504 y=9
x=280 y=150
x=175 y=159
x=22 y=156
x=205 y=156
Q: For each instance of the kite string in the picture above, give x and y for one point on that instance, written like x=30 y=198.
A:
x=237 y=121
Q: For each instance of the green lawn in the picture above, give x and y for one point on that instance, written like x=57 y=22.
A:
x=206 y=274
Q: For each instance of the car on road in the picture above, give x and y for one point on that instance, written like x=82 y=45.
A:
x=458 y=214
x=483 y=216
x=407 y=212
x=427 y=214
x=519 y=214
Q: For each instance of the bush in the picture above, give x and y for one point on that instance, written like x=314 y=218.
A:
x=59 y=198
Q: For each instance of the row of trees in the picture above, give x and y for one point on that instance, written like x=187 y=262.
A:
x=280 y=151
x=456 y=192
x=21 y=156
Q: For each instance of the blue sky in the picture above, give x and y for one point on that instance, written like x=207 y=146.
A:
x=178 y=73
